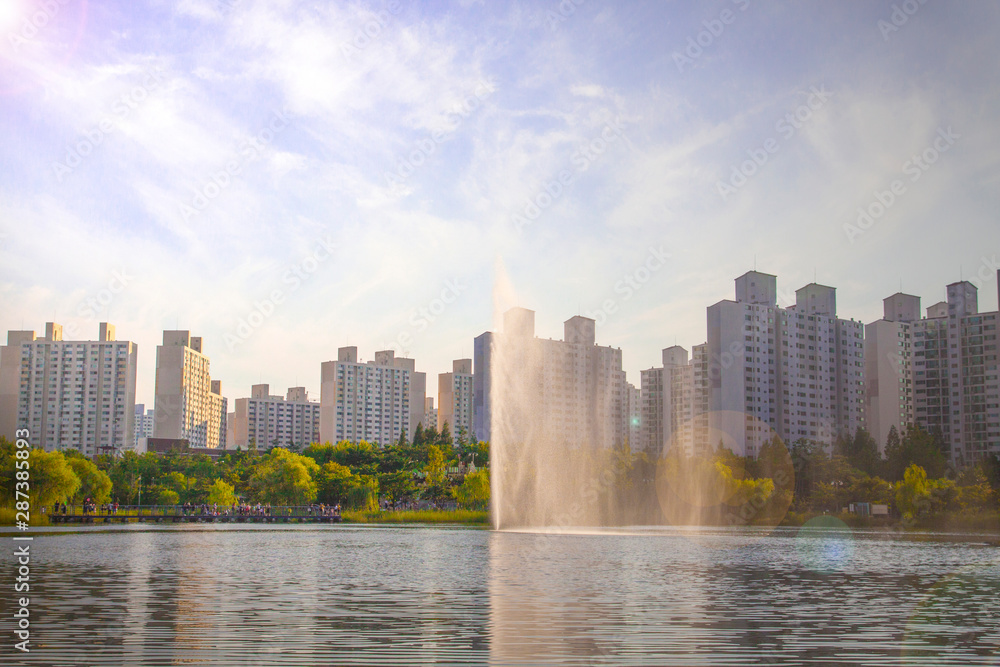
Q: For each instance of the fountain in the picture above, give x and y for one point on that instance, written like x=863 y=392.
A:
x=557 y=466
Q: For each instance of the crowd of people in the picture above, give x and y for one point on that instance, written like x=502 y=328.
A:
x=259 y=509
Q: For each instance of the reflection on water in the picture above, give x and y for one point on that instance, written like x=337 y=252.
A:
x=295 y=595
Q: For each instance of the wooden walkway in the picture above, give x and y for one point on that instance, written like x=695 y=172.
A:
x=194 y=518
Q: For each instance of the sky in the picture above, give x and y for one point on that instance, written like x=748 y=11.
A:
x=286 y=178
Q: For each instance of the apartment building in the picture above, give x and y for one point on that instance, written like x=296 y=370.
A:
x=143 y=425
x=69 y=394
x=378 y=401
x=889 y=391
x=956 y=392
x=264 y=421
x=574 y=389
x=797 y=371
x=188 y=403
x=455 y=394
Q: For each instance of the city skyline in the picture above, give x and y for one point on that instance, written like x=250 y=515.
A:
x=382 y=161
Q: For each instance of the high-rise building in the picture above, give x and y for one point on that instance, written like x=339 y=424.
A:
x=956 y=392
x=796 y=371
x=455 y=392
x=430 y=420
x=189 y=404
x=69 y=394
x=668 y=404
x=378 y=402
x=265 y=421
x=888 y=373
x=143 y=425
x=634 y=412
x=577 y=386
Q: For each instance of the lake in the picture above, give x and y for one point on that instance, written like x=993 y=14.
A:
x=380 y=595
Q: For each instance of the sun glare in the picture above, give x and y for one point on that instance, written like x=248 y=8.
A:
x=11 y=12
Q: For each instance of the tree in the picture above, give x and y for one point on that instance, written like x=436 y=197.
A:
x=337 y=484
x=221 y=493
x=913 y=493
x=333 y=483
x=285 y=478
x=163 y=495
x=94 y=484
x=397 y=485
x=919 y=447
x=51 y=478
x=435 y=467
x=861 y=451
x=474 y=492
x=444 y=438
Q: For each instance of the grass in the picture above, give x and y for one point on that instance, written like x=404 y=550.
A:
x=8 y=516
x=978 y=522
x=468 y=517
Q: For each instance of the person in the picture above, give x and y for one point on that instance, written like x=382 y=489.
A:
x=64 y=509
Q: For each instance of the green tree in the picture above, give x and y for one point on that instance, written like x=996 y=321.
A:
x=94 y=484
x=51 y=478
x=474 y=492
x=363 y=494
x=333 y=483
x=913 y=493
x=285 y=478
x=163 y=495
x=397 y=485
x=435 y=467
x=919 y=447
x=444 y=439
x=221 y=493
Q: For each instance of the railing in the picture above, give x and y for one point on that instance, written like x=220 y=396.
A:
x=198 y=510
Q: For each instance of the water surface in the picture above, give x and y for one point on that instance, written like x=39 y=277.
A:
x=377 y=595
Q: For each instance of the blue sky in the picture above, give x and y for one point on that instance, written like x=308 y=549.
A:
x=285 y=178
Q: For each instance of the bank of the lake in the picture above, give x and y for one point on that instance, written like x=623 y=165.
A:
x=986 y=523
x=465 y=517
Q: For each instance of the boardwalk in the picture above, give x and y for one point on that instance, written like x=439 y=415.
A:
x=194 y=518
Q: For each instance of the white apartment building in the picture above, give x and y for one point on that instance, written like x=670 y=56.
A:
x=69 y=394
x=377 y=402
x=430 y=420
x=189 y=404
x=634 y=413
x=143 y=425
x=668 y=404
x=264 y=421
x=797 y=371
x=455 y=391
x=888 y=373
x=576 y=388
x=956 y=389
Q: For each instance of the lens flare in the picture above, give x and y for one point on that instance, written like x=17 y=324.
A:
x=11 y=14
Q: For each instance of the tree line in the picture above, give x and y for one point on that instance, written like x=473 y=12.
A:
x=354 y=475
x=913 y=477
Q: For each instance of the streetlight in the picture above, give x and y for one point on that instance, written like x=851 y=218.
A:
x=139 y=508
